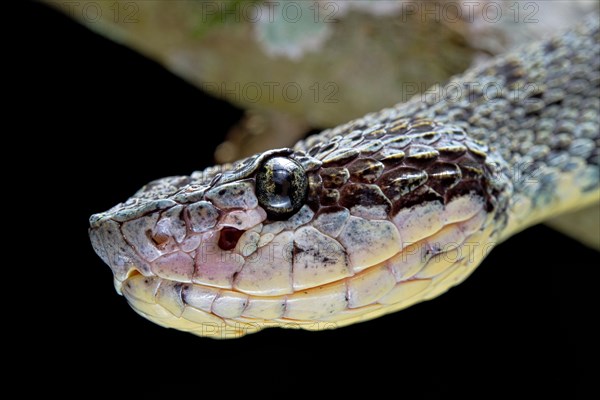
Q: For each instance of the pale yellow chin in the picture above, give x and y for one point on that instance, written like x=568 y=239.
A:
x=442 y=247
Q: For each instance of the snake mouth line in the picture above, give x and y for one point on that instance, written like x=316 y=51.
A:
x=430 y=265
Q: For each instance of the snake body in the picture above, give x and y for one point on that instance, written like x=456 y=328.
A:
x=386 y=211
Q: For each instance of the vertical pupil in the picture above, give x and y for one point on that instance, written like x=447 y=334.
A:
x=282 y=182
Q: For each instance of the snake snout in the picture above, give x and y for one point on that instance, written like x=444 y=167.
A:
x=108 y=242
x=181 y=243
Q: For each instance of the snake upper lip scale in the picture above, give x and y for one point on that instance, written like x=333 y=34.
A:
x=371 y=216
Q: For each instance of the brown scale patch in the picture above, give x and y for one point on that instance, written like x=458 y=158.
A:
x=421 y=155
x=330 y=197
x=391 y=157
x=421 y=195
x=466 y=186
x=334 y=177
x=366 y=195
x=340 y=157
x=315 y=186
x=401 y=181
x=401 y=164
x=366 y=170
x=452 y=150
x=443 y=176
x=471 y=170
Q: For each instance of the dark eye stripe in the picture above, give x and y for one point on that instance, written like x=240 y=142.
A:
x=281 y=187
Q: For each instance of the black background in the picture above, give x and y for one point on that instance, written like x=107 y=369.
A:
x=521 y=325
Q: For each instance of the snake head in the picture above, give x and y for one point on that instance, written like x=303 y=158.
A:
x=344 y=228
x=202 y=236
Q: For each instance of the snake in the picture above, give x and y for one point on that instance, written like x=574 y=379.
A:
x=372 y=216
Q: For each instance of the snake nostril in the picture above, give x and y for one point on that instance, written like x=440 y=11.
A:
x=229 y=238
x=157 y=238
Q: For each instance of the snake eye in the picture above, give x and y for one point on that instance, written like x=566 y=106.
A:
x=281 y=187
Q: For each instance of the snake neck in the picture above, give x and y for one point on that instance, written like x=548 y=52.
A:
x=537 y=110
